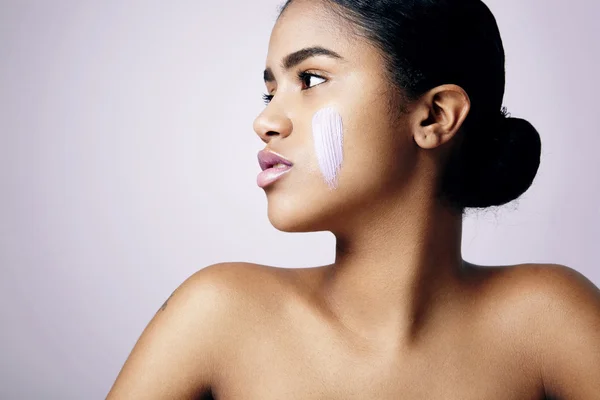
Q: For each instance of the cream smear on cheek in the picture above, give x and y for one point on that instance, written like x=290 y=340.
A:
x=328 y=138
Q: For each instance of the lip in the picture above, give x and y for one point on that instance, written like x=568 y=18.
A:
x=267 y=159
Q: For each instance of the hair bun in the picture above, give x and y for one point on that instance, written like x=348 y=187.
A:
x=492 y=169
x=502 y=117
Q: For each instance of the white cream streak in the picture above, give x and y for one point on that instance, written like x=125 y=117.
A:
x=328 y=137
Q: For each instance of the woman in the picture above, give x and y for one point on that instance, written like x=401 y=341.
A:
x=383 y=123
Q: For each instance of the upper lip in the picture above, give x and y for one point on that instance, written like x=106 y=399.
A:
x=268 y=158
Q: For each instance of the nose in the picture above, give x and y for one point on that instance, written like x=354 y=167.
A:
x=272 y=122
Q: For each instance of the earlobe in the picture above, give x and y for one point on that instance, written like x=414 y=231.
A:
x=427 y=137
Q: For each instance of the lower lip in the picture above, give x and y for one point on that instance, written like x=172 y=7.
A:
x=270 y=175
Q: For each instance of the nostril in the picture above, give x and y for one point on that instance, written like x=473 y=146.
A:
x=271 y=133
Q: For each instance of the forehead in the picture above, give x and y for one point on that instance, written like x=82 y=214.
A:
x=307 y=23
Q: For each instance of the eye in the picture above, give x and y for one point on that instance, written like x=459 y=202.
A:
x=267 y=98
x=305 y=78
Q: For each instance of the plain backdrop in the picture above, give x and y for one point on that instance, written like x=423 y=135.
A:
x=128 y=162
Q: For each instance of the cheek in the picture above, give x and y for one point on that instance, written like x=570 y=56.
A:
x=328 y=137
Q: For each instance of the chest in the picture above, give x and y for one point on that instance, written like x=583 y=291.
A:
x=317 y=367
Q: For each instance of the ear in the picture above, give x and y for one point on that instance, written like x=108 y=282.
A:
x=439 y=115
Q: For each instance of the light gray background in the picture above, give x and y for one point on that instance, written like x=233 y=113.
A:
x=128 y=162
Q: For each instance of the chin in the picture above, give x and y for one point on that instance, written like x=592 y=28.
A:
x=299 y=214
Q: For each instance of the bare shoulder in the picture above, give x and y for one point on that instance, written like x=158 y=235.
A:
x=256 y=279
x=245 y=279
x=250 y=293
x=567 y=330
x=543 y=292
x=235 y=275
x=547 y=285
x=186 y=345
x=555 y=311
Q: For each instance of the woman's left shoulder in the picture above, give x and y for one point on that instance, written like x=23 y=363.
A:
x=554 y=310
x=569 y=334
x=548 y=301
x=552 y=291
x=554 y=285
x=558 y=314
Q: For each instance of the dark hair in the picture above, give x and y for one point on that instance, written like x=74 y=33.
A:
x=427 y=43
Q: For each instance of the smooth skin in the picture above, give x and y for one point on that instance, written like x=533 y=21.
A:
x=399 y=314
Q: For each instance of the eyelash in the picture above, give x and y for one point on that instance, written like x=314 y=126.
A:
x=301 y=76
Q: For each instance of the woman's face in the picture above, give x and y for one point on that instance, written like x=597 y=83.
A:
x=348 y=88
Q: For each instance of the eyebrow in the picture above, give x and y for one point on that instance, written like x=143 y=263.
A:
x=295 y=58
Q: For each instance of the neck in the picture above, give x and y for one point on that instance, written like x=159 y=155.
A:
x=394 y=268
